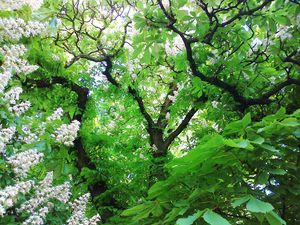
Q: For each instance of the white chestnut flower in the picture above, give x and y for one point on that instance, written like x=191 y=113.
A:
x=44 y=192
x=19 y=109
x=57 y=114
x=23 y=161
x=13 y=95
x=66 y=134
x=16 y=28
x=9 y=195
x=4 y=79
x=37 y=218
x=78 y=215
x=11 y=5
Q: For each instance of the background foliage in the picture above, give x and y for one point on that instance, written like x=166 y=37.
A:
x=189 y=110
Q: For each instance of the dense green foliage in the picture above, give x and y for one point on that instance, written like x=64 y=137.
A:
x=189 y=109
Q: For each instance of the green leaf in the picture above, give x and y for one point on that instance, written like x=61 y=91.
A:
x=143 y=214
x=258 y=206
x=190 y=219
x=278 y=171
x=258 y=141
x=214 y=218
x=272 y=25
x=238 y=143
x=269 y=147
x=296 y=113
x=246 y=120
x=297 y=133
x=290 y=122
x=237 y=202
x=135 y=210
x=137 y=51
x=181 y=3
x=147 y=56
x=283 y=20
x=274 y=219
x=262 y=178
x=238 y=126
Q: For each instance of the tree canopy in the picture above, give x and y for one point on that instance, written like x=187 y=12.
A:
x=149 y=112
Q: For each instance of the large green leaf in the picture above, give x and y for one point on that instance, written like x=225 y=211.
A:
x=238 y=126
x=214 y=218
x=239 y=201
x=258 y=206
x=190 y=219
x=274 y=219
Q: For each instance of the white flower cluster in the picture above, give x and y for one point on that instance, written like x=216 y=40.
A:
x=37 y=218
x=44 y=192
x=19 y=109
x=28 y=136
x=172 y=98
x=13 y=61
x=11 y=30
x=66 y=134
x=10 y=5
x=78 y=216
x=57 y=114
x=175 y=47
x=9 y=195
x=283 y=33
x=5 y=136
x=4 y=78
x=13 y=95
x=16 y=28
x=257 y=43
x=214 y=104
x=23 y=161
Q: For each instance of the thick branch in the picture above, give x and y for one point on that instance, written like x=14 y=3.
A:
x=82 y=93
x=142 y=108
x=130 y=90
x=181 y=127
x=161 y=121
x=184 y=123
x=243 y=101
x=244 y=13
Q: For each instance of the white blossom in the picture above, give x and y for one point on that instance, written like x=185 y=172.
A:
x=29 y=138
x=4 y=79
x=13 y=59
x=57 y=114
x=16 y=28
x=46 y=191
x=167 y=115
x=283 y=33
x=10 y=5
x=23 y=161
x=13 y=95
x=214 y=104
x=55 y=57
x=78 y=215
x=6 y=134
x=19 y=109
x=37 y=218
x=166 y=3
x=171 y=98
x=66 y=134
x=175 y=47
x=8 y=196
